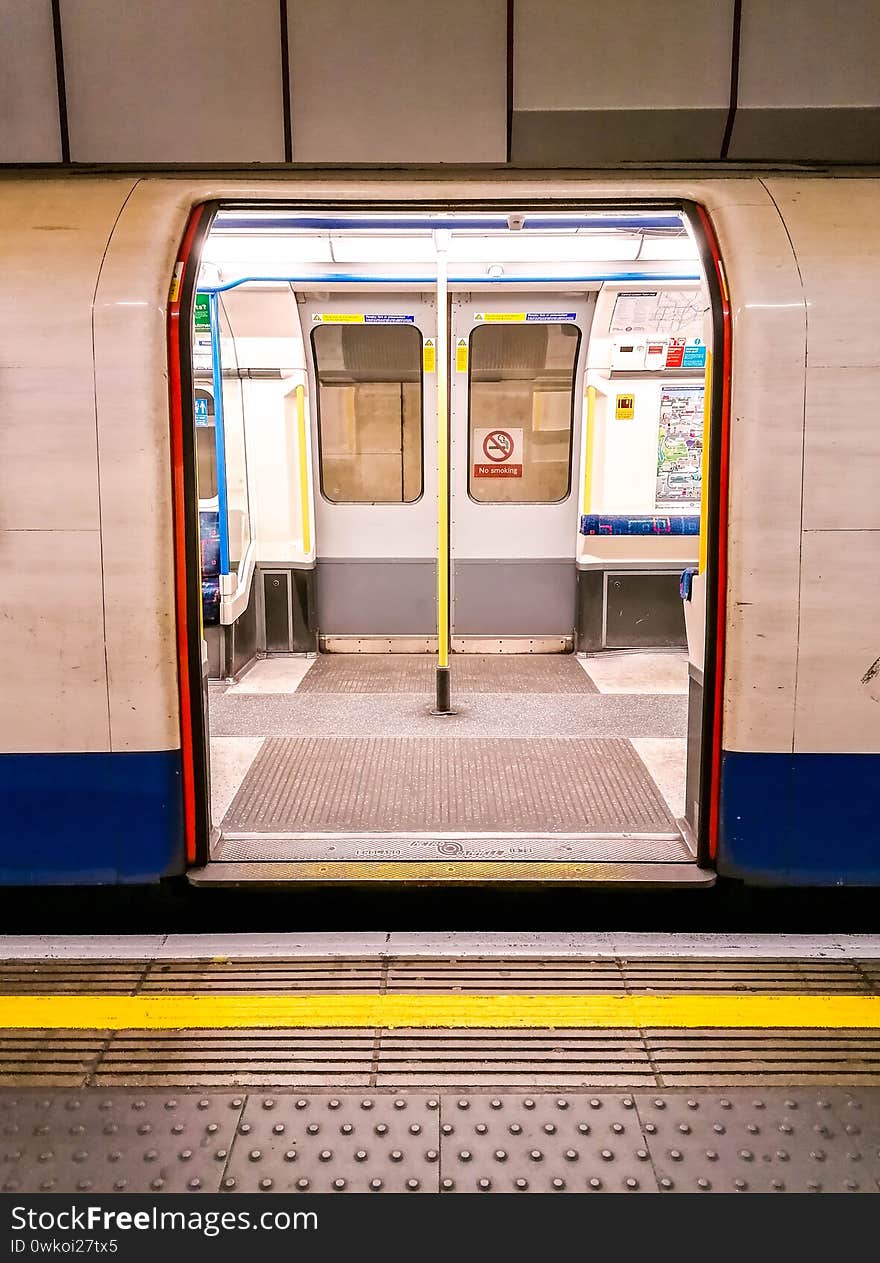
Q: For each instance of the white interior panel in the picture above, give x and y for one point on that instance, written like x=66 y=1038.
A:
x=398 y=81
x=29 y=130
x=173 y=81
x=614 y=56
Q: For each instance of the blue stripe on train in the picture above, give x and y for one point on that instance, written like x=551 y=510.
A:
x=800 y=819
x=90 y=818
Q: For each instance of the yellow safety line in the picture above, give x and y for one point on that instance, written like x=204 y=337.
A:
x=205 y=1012
x=442 y=465
x=704 y=475
x=303 y=457
x=588 y=450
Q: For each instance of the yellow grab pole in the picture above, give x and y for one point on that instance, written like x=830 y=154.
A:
x=303 y=460
x=443 y=705
x=588 y=450
x=704 y=472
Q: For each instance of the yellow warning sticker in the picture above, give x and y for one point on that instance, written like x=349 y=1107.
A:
x=429 y=356
x=339 y=317
x=489 y=316
x=461 y=356
x=177 y=278
x=625 y=408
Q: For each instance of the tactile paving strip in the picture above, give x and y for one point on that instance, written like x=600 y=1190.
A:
x=114 y=1143
x=355 y=1144
x=393 y=784
x=470 y=673
x=776 y=1141
x=543 y=1144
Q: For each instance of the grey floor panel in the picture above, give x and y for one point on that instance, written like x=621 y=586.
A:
x=470 y=673
x=399 y=784
x=483 y=715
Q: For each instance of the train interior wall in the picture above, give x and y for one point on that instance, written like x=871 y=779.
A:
x=576 y=663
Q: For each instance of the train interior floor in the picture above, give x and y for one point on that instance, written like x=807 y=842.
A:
x=547 y=758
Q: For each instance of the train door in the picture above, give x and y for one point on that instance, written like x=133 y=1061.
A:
x=372 y=365
x=516 y=402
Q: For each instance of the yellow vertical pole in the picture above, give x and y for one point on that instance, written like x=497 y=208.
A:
x=303 y=461
x=443 y=706
x=588 y=450
x=704 y=472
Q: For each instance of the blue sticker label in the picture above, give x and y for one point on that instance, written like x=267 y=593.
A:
x=201 y=410
x=545 y=316
x=383 y=318
x=694 y=355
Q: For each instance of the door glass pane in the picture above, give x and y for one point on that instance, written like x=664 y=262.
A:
x=521 y=412
x=369 y=412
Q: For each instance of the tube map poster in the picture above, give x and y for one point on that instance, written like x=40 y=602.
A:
x=680 y=447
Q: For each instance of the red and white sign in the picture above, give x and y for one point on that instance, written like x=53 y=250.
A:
x=675 y=352
x=498 y=453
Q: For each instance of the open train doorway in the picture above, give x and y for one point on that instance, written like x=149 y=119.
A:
x=469 y=447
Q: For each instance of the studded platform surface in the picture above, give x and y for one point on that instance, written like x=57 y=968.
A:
x=777 y=1141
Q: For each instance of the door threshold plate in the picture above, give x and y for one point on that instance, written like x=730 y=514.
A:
x=450 y=873
x=404 y=848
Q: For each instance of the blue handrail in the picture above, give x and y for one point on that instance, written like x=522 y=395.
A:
x=361 y=223
x=354 y=278
x=219 y=431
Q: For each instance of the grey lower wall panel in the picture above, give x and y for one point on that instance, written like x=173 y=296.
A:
x=513 y=598
x=694 y=747
x=387 y=597
x=571 y=138
x=804 y=134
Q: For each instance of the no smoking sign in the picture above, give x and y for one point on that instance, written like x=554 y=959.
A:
x=498 y=453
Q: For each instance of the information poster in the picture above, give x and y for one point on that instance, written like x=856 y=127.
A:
x=680 y=447
x=659 y=312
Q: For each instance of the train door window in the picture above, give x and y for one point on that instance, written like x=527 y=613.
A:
x=521 y=412
x=369 y=412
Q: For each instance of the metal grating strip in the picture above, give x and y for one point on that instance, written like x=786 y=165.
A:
x=489 y=974
x=471 y=673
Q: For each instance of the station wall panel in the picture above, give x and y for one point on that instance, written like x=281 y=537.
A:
x=29 y=127
x=398 y=81
x=174 y=81
x=595 y=82
x=808 y=83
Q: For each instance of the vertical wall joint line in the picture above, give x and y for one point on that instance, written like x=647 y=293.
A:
x=285 y=82
x=60 y=81
x=734 y=77
x=510 y=21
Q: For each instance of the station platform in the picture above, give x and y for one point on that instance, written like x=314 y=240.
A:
x=440 y=1063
